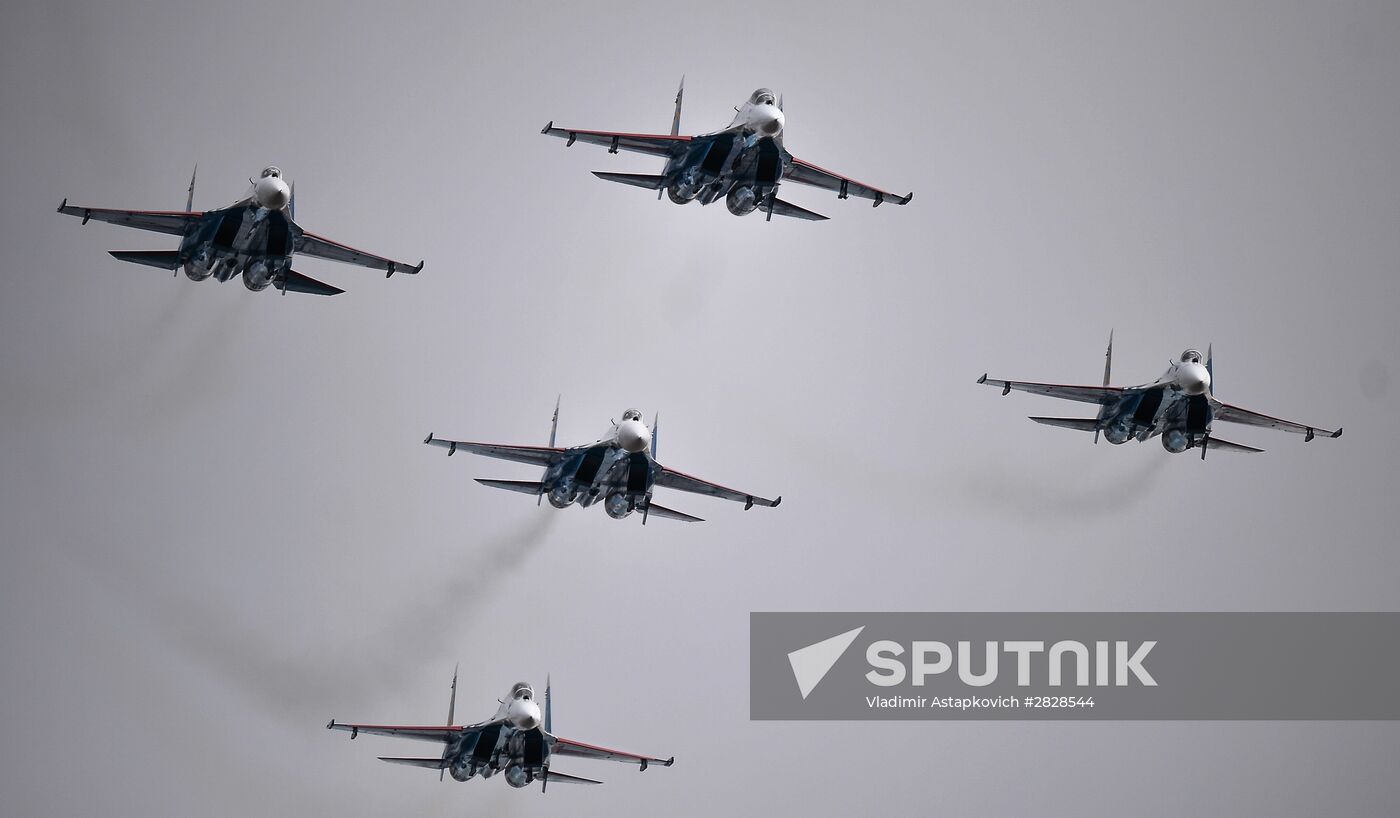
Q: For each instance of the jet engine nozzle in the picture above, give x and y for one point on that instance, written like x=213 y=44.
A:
x=1117 y=434
x=1175 y=441
x=742 y=200
x=462 y=770
x=563 y=495
x=633 y=436
x=272 y=193
x=1193 y=378
x=524 y=714
x=517 y=777
x=618 y=505
x=257 y=276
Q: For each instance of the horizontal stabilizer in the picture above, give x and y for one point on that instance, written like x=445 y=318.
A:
x=650 y=181
x=783 y=208
x=1082 y=424
x=522 y=486
x=298 y=283
x=429 y=763
x=565 y=778
x=1212 y=443
x=655 y=510
x=164 y=259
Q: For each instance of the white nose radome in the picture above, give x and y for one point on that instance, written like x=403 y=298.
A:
x=769 y=119
x=524 y=714
x=272 y=193
x=633 y=436
x=1194 y=379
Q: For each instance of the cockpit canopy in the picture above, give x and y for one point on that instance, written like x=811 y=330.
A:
x=762 y=96
x=631 y=414
x=1190 y=356
x=273 y=171
x=522 y=692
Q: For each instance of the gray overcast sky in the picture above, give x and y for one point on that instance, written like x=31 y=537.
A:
x=220 y=529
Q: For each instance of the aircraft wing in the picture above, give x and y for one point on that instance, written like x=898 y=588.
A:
x=313 y=245
x=1211 y=443
x=1083 y=394
x=424 y=733
x=174 y=222
x=1234 y=414
x=809 y=174
x=614 y=141
x=683 y=482
x=656 y=510
x=427 y=763
x=534 y=455
x=554 y=776
x=567 y=747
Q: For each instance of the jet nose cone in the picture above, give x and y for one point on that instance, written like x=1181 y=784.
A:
x=633 y=442
x=772 y=123
x=273 y=193
x=1195 y=380
x=633 y=437
x=525 y=715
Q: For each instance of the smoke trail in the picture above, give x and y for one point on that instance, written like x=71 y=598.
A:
x=1103 y=493
x=201 y=352
x=293 y=684
x=140 y=365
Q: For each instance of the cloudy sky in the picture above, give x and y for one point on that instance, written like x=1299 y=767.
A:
x=219 y=528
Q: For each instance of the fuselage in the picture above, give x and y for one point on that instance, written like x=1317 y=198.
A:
x=254 y=238
x=1176 y=407
x=616 y=470
x=513 y=744
x=743 y=163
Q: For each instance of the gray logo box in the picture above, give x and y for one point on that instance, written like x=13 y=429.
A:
x=1245 y=666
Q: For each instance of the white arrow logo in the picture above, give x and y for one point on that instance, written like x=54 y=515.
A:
x=811 y=664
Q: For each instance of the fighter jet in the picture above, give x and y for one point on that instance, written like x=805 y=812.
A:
x=255 y=237
x=620 y=470
x=516 y=741
x=743 y=163
x=1179 y=407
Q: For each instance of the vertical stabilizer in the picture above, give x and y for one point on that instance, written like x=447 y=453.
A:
x=1107 y=373
x=676 y=120
x=675 y=126
x=548 y=726
x=452 y=700
x=451 y=714
x=553 y=435
x=189 y=196
x=548 y=709
x=554 y=424
x=1108 y=360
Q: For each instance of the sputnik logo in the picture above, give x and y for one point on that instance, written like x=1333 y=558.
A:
x=811 y=664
